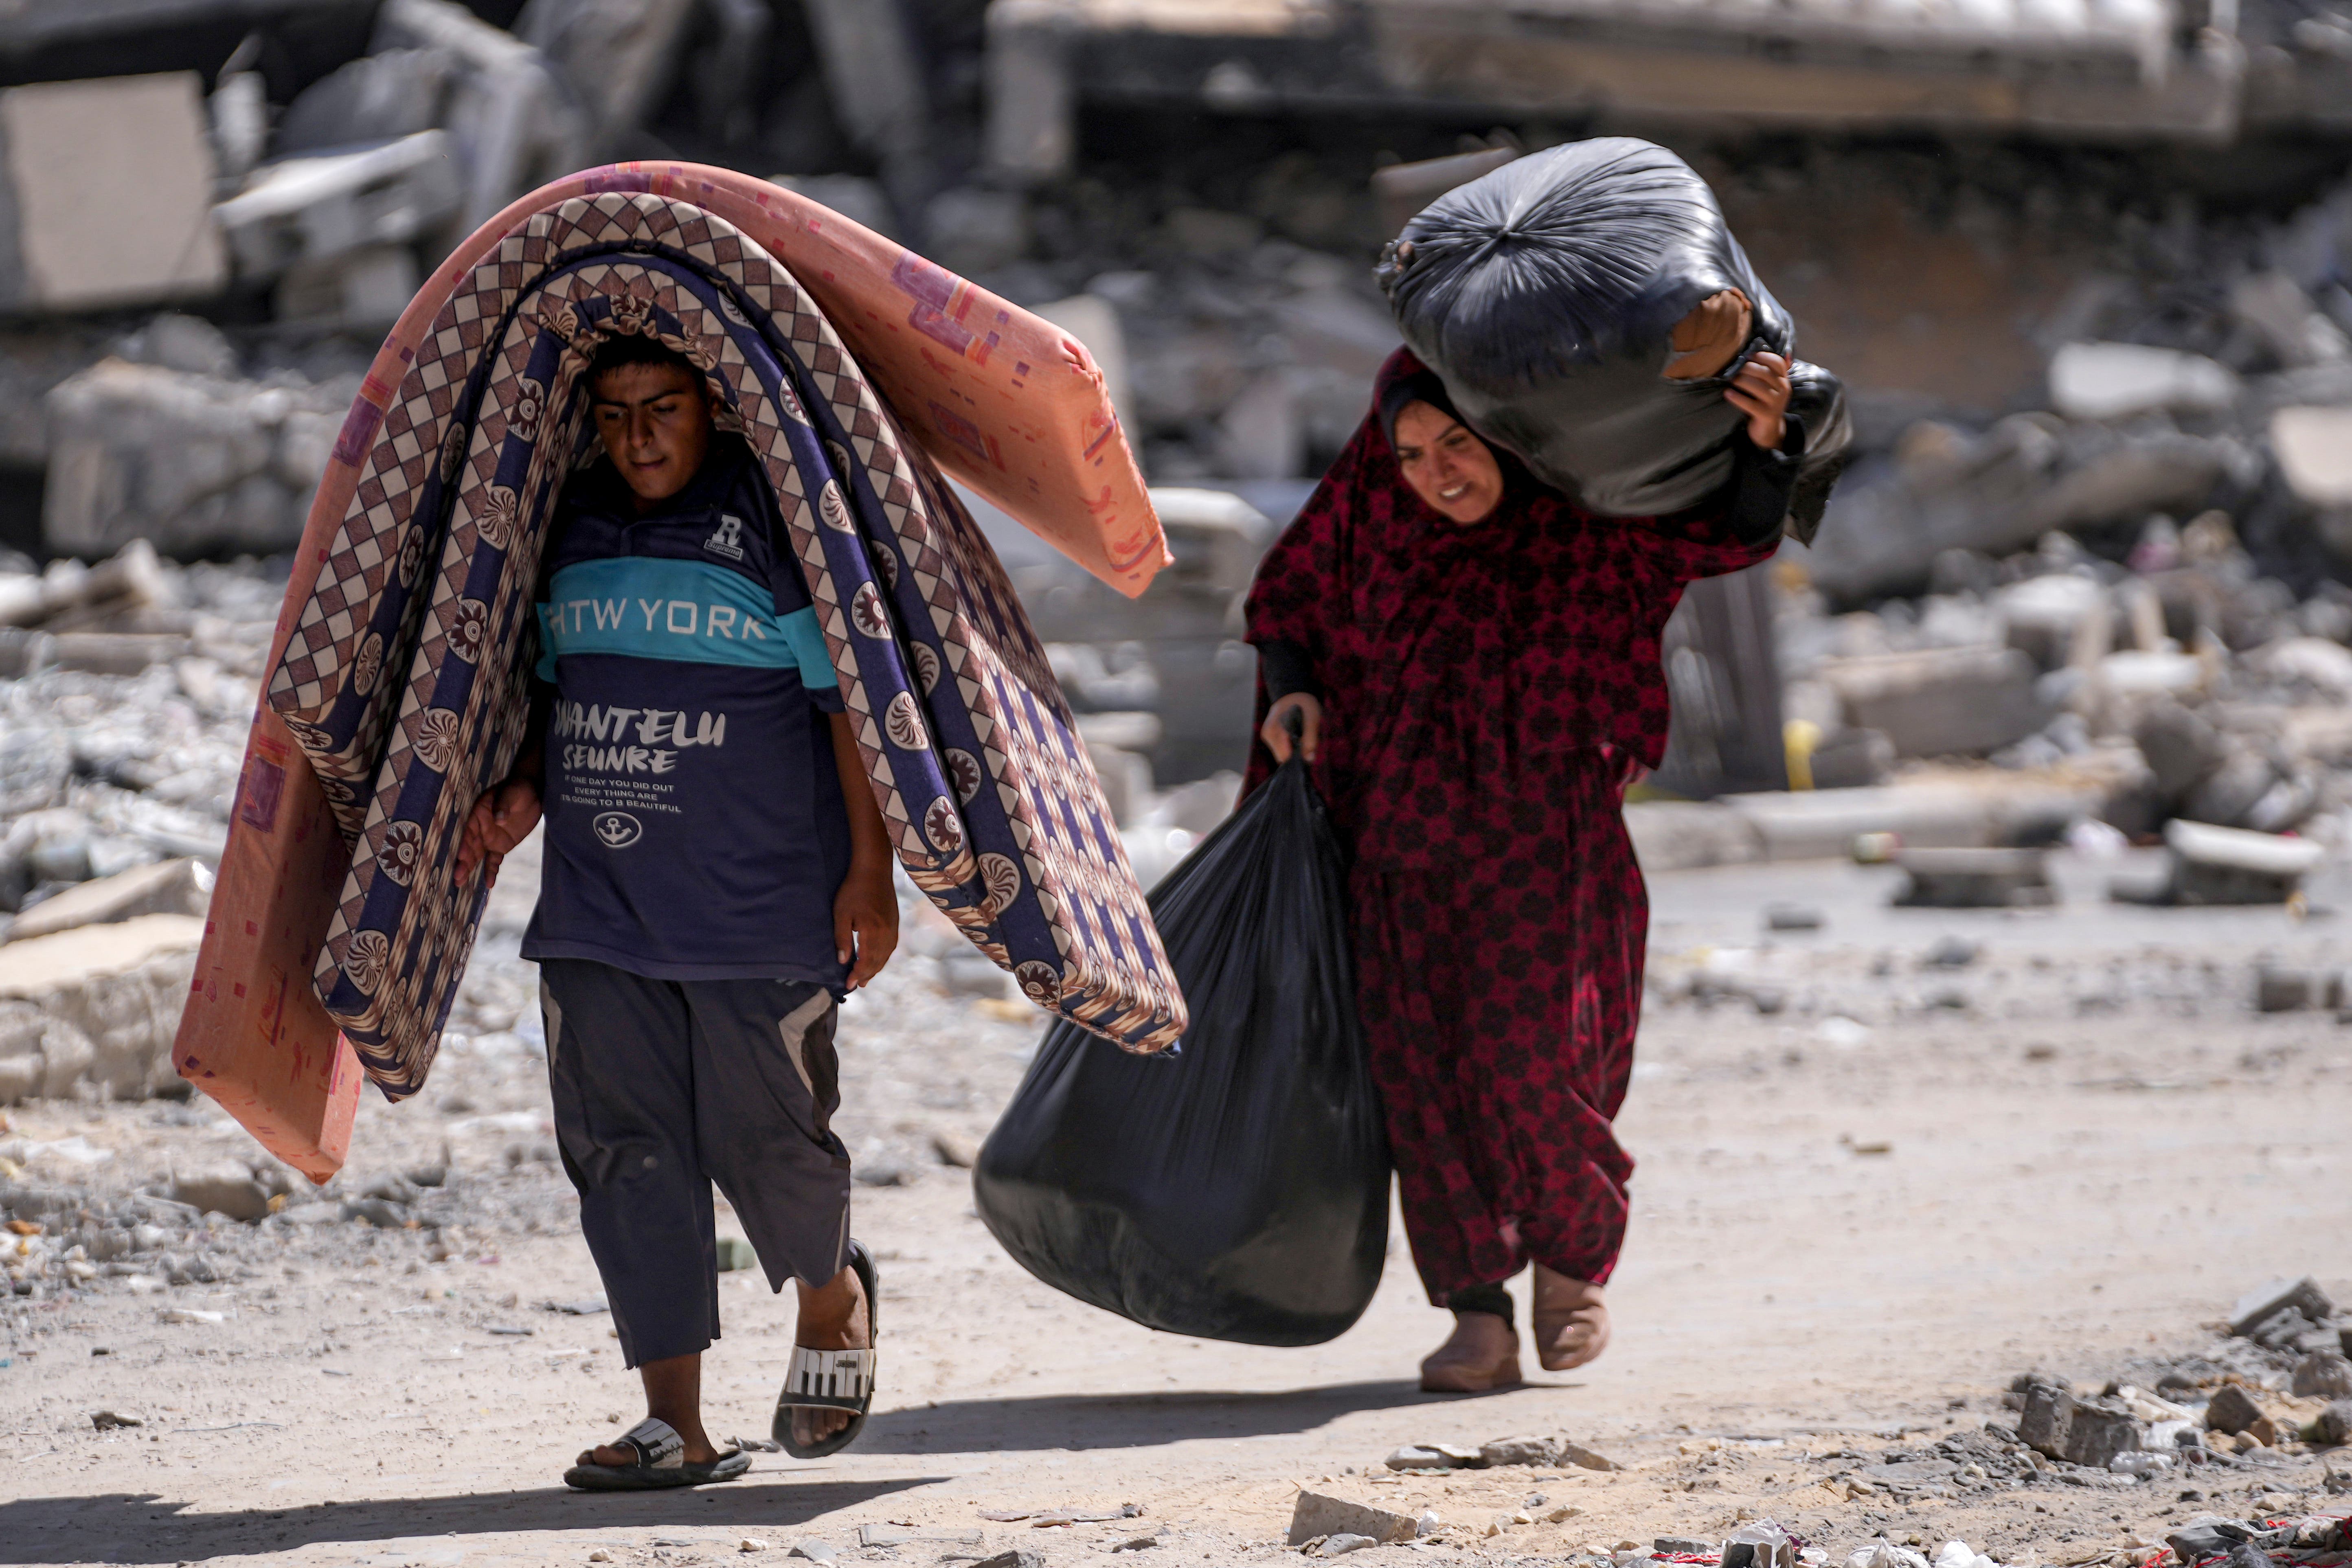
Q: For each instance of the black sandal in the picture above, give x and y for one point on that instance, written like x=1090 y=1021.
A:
x=833 y=1379
x=661 y=1463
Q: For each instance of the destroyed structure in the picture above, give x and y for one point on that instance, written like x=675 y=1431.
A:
x=2085 y=269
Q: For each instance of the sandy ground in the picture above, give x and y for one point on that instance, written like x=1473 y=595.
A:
x=2092 y=1146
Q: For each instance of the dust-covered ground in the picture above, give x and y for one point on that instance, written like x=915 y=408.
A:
x=1885 y=1167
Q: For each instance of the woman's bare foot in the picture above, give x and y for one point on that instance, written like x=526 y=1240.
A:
x=673 y=1394
x=1482 y=1354
x=832 y=1318
x=1571 y=1320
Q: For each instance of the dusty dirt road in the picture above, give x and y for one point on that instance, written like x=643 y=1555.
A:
x=2093 y=1145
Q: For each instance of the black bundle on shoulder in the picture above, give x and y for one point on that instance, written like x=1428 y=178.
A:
x=1548 y=295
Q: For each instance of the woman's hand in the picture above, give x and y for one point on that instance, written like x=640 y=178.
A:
x=1277 y=733
x=502 y=818
x=1760 y=390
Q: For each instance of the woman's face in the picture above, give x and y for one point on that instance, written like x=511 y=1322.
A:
x=1446 y=465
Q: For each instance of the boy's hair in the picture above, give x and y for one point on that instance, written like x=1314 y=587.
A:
x=625 y=349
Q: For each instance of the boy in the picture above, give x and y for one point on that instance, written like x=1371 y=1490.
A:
x=718 y=877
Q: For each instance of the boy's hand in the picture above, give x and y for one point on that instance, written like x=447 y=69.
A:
x=502 y=818
x=865 y=922
x=1760 y=390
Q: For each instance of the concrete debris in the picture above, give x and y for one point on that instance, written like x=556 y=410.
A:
x=1318 y=1516
x=127 y=219
x=192 y=463
x=2227 y=866
x=1975 y=879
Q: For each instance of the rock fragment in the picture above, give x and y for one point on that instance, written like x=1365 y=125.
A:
x=1318 y=1515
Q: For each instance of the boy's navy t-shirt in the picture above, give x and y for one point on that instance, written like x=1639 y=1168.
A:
x=696 y=828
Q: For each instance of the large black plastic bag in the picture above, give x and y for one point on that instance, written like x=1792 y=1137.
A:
x=1236 y=1188
x=1544 y=295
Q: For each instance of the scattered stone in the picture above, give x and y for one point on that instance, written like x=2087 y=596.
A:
x=230 y=1189
x=2323 y=1374
x=819 y=1551
x=1013 y=1559
x=169 y=887
x=108 y=1420
x=2287 y=989
x=751 y=1544
x=1315 y=1515
x=1340 y=1545
x=1577 y=1454
x=583 y=1308
x=1684 y=1546
x=2335 y=1423
x=2231 y=1409
x=954 y=1149
x=1793 y=916
x=1528 y=1451
x=2303 y=1295
x=883 y=1535
x=2089 y=1432
x=1975 y=879
x=1953 y=953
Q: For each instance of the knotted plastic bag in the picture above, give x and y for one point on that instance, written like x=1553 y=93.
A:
x=1236 y=1187
x=1586 y=308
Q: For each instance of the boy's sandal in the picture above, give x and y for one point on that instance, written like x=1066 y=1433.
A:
x=833 y=1379
x=661 y=1463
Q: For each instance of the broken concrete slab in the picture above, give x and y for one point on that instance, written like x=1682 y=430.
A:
x=316 y=207
x=1822 y=825
x=110 y=183
x=2304 y=1295
x=513 y=125
x=1316 y=1514
x=2314 y=446
x=2116 y=381
x=121 y=986
x=2219 y=865
x=167 y=888
x=1940 y=701
x=619 y=58
x=191 y=463
x=1975 y=879
x=2080 y=1432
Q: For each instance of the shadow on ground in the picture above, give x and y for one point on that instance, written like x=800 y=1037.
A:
x=1124 y=1420
x=121 y=1527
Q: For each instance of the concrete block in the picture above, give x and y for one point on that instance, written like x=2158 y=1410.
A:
x=1317 y=1515
x=2115 y=381
x=2231 y=1409
x=619 y=56
x=119 y=986
x=2275 y=307
x=1941 y=702
x=1975 y=879
x=318 y=206
x=2306 y=1295
x=511 y=122
x=2314 y=452
x=111 y=185
x=167 y=887
x=191 y=463
x=1032 y=133
x=2233 y=866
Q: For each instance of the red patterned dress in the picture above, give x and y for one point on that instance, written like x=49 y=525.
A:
x=1487 y=691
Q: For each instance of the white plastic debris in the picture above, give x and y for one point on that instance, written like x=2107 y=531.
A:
x=1884 y=1553
x=1960 y=1554
x=2141 y=1463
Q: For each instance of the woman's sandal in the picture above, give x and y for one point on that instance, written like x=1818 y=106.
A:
x=833 y=1379
x=661 y=1463
x=1571 y=1321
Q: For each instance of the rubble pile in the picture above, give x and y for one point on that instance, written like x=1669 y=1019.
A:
x=126 y=690
x=2279 y=1383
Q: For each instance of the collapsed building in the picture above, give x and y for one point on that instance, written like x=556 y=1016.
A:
x=2086 y=269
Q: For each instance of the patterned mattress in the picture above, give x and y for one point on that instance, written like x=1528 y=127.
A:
x=405 y=679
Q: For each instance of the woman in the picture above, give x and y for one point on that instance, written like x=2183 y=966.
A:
x=1474 y=662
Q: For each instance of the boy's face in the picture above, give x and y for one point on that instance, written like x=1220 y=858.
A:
x=654 y=422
